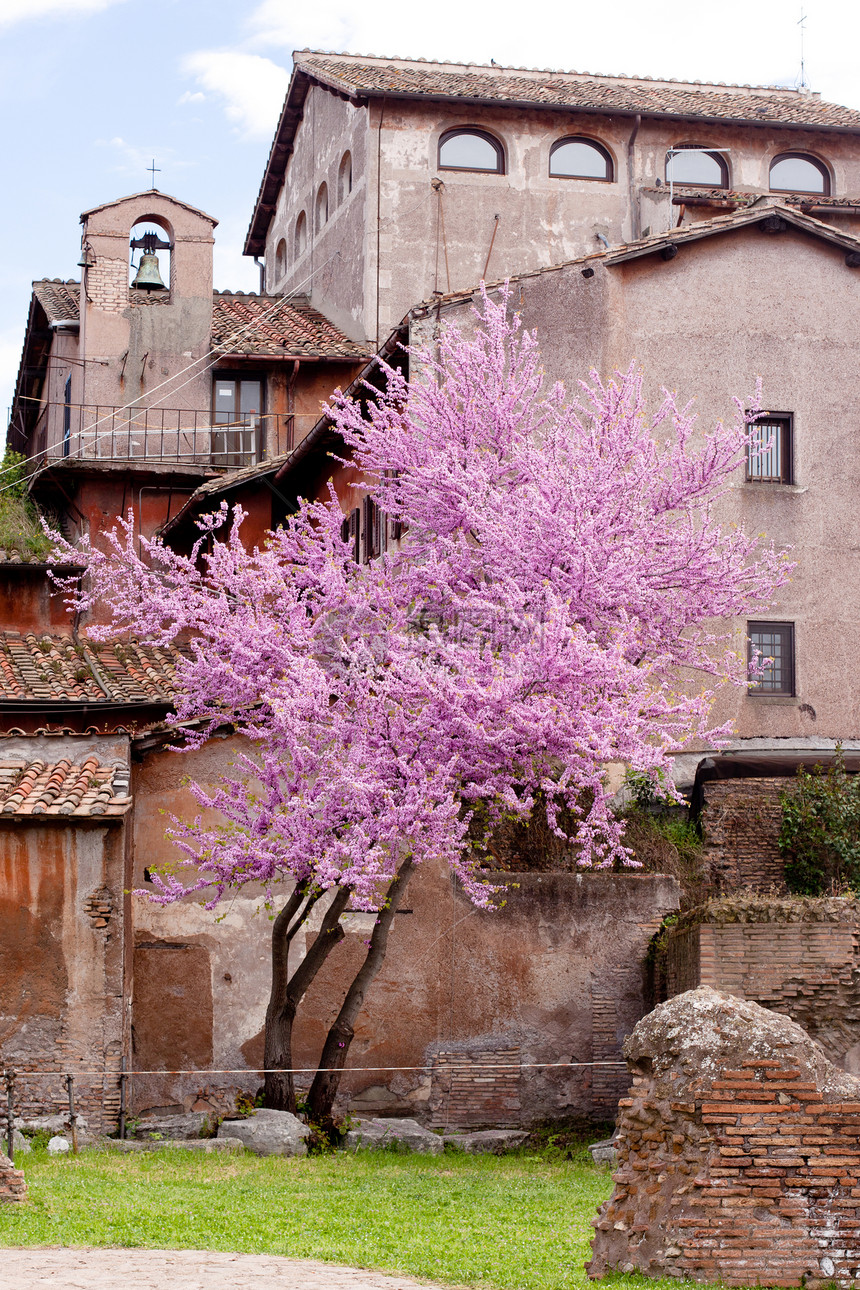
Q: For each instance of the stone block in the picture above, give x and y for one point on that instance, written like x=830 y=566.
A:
x=408 y=1135
x=269 y=1133
x=193 y=1124
x=492 y=1142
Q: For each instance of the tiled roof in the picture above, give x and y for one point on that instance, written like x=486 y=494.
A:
x=58 y=299
x=57 y=668
x=276 y=325
x=401 y=77
x=63 y=788
x=242 y=323
x=763 y=208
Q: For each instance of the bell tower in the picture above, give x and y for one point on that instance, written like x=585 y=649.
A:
x=146 y=333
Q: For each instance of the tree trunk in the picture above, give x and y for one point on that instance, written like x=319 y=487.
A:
x=336 y=1048
x=287 y=991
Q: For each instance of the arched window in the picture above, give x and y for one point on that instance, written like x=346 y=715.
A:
x=344 y=177
x=281 y=259
x=691 y=163
x=301 y=235
x=471 y=150
x=795 y=172
x=321 y=218
x=580 y=159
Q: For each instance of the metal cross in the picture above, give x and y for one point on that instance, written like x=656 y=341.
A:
x=154 y=170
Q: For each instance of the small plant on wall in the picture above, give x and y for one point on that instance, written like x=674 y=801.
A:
x=820 y=831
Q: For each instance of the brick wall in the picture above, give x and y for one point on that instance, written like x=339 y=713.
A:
x=799 y=957
x=740 y=822
x=742 y=1169
x=107 y=285
x=476 y=1088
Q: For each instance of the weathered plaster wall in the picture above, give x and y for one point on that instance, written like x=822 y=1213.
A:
x=417 y=241
x=556 y=975
x=331 y=269
x=61 y=974
x=707 y=324
x=29 y=600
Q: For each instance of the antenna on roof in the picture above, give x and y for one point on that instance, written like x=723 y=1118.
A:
x=802 y=25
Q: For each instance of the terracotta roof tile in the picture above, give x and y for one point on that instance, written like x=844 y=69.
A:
x=65 y=788
x=57 y=668
x=242 y=323
x=276 y=325
x=60 y=300
x=577 y=90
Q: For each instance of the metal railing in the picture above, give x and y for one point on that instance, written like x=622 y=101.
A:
x=98 y=432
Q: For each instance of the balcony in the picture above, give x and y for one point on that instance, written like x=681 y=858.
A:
x=98 y=433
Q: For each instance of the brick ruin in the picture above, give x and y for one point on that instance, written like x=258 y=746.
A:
x=741 y=820
x=795 y=955
x=739 y=1152
x=13 y=1188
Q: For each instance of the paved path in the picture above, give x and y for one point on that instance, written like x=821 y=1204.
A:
x=82 y=1268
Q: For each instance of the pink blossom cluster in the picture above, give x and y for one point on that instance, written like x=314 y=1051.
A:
x=560 y=577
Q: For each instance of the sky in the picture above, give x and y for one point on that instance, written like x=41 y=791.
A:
x=91 y=91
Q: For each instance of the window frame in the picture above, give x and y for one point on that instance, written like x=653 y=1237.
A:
x=816 y=162
x=237 y=450
x=608 y=178
x=785 y=421
x=788 y=689
x=501 y=168
x=701 y=149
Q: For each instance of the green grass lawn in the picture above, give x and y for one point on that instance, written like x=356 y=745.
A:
x=517 y=1222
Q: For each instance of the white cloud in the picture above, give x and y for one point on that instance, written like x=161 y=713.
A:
x=12 y=11
x=188 y=97
x=328 y=24
x=252 y=87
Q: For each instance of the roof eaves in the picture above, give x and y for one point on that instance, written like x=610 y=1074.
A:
x=281 y=466
x=648 y=246
x=279 y=155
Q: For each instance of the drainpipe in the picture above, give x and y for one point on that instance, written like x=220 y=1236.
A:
x=636 y=222
x=261 y=265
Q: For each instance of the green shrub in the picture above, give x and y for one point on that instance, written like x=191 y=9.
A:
x=20 y=520
x=820 y=830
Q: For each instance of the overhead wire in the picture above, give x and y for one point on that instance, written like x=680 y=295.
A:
x=134 y=403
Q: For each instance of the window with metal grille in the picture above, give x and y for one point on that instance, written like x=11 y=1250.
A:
x=773 y=644
x=770 y=450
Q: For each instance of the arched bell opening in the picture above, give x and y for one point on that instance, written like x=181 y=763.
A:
x=151 y=257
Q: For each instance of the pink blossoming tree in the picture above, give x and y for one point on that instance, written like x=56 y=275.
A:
x=560 y=573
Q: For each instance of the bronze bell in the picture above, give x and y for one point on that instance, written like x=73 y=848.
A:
x=148 y=277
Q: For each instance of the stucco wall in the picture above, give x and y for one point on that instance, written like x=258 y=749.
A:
x=415 y=241
x=555 y=975
x=61 y=974
x=707 y=324
x=331 y=270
